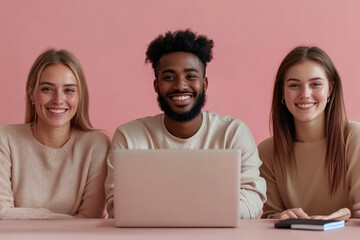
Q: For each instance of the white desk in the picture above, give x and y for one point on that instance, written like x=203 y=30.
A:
x=103 y=229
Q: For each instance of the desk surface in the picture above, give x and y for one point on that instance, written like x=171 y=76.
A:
x=103 y=229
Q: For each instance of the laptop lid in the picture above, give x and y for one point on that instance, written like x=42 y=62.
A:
x=177 y=188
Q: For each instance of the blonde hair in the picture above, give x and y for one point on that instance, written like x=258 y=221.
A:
x=81 y=119
x=335 y=117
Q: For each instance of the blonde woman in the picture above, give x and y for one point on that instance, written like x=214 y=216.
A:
x=54 y=165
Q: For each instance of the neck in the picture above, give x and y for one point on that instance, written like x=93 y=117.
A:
x=309 y=131
x=52 y=137
x=183 y=129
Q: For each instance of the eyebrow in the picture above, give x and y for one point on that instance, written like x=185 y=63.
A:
x=185 y=70
x=51 y=84
x=311 y=79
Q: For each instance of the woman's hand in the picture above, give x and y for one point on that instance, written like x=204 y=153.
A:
x=293 y=213
x=342 y=214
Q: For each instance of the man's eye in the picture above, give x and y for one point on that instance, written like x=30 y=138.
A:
x=168 y=77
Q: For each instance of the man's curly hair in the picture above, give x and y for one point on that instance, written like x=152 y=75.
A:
x=180 y=41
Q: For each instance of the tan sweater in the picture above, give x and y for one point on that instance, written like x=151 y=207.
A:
x=38 y=182
x=216 y=132
x=307 y=184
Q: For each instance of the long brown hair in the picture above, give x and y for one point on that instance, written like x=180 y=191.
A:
x=335 y=117
x=81 y=119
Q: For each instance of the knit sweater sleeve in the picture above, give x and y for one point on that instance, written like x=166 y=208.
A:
x=274 y=205
x=7 y=207
x=83 y=165
x=118 y=142
x=253 y=187
x=93 y=202
x=353 y=162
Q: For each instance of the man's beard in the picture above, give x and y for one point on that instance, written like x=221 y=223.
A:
x=186 y=116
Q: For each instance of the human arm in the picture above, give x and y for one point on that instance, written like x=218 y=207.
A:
x=109 y=186
x=93 y=202
x=274 y=205
x=14 y=213
x=118 y=142
x=253 y=187
x=353 y=167
x=8 y=210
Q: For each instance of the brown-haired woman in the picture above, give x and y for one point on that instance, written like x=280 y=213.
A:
x=311 y=164
x=54 y=165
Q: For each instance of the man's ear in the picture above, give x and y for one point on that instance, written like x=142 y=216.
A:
x=205 y=83
x=155 y=85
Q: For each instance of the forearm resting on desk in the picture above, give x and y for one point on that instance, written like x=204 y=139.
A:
x=30 y=213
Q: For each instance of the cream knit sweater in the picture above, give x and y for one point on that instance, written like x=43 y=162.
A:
x=38 y=182
x=216 y=132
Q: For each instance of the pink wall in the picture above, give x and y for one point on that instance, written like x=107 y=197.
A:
x=110 y=38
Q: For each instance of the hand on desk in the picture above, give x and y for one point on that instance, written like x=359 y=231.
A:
x=342 y=214
x=293 y=213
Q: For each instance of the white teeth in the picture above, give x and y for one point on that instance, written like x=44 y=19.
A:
x=181 y=97
x=305 y=105
x=57 y=110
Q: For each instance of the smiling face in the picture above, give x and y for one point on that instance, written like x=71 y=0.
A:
x=180 y=85
x=56 y=98
x=306 y=90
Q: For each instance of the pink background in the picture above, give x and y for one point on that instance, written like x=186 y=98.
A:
x=110 y=38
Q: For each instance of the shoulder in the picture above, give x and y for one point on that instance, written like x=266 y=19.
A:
x=13 y=127
x=224 y=121
x=91 y=147
x=220 y=118
x=231 y=130
x=352 y=144
x=266 y=147
x=97 y=135
x=353 y=136
x=14 y=131
x=354 y=128
x=16 y=137
x=94 y=138
x=138 y=133
x=267 y=143
x=141 y=124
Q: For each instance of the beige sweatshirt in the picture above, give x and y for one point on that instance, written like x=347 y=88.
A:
x=38 y=182
x=216 y=132
x=307 y=184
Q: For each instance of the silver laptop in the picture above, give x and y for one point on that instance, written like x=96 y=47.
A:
x=177 y=188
